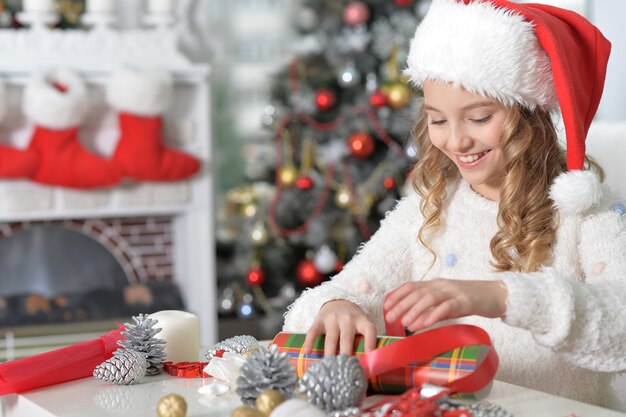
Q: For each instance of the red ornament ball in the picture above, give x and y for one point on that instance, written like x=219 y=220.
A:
x=255 y=277
x=361 y=145
x=308 y=275
x=304 y=183
x=378 y=99
x=403 y=3
x=325 y=99
x=339 y=266
x=389 y=183
x=356 y=13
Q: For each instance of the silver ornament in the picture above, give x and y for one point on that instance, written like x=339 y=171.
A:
x=325 y=260
x=421 y=8
x=306 y=19
x=348 y=76
x=126 y=367
x=266 y=369
x=235 y=344
x=335 y=383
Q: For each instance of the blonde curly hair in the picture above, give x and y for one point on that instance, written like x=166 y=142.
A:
x=527 y=219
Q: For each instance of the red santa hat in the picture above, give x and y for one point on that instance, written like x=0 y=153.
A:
x=534 y=55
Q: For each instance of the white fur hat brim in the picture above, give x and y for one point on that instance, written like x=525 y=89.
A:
x=3 y=100
x=48 y=106
x=142 y=92
x=576 y=192
x=484 y=48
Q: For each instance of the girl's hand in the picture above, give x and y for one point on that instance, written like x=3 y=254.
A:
x=423 y=303
x=340 y=320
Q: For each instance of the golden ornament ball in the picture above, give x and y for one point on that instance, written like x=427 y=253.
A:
x=268 y=401
x=343 y=198
x=172 y=405
x=245 y=411
x=249 y=210
x=398 y=94
x=287 y=176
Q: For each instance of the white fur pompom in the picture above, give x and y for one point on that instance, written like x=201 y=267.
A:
x=140 y=92
x=576 y=192
x=3 y=100
x=56 y=99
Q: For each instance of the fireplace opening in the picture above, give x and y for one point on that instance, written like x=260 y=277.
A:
x=83 y=270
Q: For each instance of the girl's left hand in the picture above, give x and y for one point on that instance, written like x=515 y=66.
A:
x=423 y=303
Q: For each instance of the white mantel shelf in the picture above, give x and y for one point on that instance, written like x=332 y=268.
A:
x=94 y=398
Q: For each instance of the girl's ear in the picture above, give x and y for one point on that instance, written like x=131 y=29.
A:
x=576 y=192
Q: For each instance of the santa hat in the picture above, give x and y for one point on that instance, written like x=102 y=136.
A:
x=534 y=55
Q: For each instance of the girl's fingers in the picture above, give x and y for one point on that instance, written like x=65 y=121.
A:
x=368 y=330
x=441 y=312
x=422 y=305
x=403 y=306
x=396 y=295
x=316 y=329
x=346 y=339
x=330 y=342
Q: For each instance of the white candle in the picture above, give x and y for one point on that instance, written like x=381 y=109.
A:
x=161 y=6
x=180 y=330
x=39 y=5
x=101 y=6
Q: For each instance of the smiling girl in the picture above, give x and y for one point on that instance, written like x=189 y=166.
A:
x=504 y=229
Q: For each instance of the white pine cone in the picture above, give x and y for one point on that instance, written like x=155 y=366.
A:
x=124 y=368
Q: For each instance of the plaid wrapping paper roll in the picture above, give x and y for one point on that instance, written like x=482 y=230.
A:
x=440 y=370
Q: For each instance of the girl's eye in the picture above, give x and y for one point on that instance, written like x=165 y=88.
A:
x=483 y=120
x=437 y=122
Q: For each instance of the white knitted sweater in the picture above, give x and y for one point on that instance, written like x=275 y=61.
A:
x=564 y=331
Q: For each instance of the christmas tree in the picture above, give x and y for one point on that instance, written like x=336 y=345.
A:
x=339 y=121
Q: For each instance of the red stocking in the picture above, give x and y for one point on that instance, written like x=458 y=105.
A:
x=15 y=163
x=57 y=102
x=141 y=97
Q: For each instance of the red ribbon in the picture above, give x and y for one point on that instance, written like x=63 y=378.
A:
x=186 y=369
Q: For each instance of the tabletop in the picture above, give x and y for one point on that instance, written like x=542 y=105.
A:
x=94 y=398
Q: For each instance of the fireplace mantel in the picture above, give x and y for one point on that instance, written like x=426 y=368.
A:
x=187 y=126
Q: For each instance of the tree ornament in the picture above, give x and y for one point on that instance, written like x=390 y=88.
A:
x=255 y=277
x=348 y=76
x=421 y=8
x=378 y=99
x=172 y=405
x=308 y=275
x=249 y=210
x=325 y=99
x=306 y=19
x=246 y=310
x=325 y=260
x=304 y=183
x=361 y=145
x=259 y=235
x=242 y=345
x=287 y=175
x=268 y=401
x=266 y=369
x=398 y=94
x=343 y=198
x=339 y=266
x=140 y=338
x=356 y=13
x=124 y=368
x=334 y=383
x=226 y=302
x=245 y=411
x=403 y=3
x=389 y=183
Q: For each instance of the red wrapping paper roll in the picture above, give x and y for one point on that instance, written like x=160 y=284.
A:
x=61 y=365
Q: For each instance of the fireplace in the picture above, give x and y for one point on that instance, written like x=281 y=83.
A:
x=150 y=244
x=90 y=269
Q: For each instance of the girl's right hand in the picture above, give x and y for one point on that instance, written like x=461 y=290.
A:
x=340 y=320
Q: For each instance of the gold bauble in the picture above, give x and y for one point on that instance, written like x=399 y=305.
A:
x=398 y=94
x=172 y=405
x=343 y=198
x=287 y=175
x=249 y=210
x=268 y=401
x=245 y=411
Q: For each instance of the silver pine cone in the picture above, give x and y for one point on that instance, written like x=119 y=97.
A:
x=334 y=383
x=124 y=368
x=140 y=337
x=235 y=344
x=265 y=369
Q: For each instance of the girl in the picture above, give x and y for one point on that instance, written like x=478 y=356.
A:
x=504 y=230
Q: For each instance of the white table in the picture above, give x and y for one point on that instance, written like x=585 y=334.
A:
x=93 y=398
